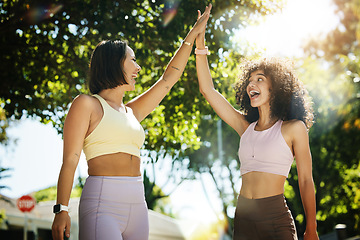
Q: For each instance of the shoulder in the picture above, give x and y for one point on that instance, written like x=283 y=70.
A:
x=84 y=100
x=295 y=130
x=294 y=125
x=84 y=104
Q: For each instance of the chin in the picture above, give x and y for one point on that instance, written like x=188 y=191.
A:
x=252 y=104
x=130 y=89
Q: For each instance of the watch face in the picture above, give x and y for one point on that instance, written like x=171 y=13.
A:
x=57 y=208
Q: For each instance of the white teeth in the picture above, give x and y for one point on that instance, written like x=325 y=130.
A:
x=253 y=92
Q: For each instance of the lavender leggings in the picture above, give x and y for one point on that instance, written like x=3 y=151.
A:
x=113 y=208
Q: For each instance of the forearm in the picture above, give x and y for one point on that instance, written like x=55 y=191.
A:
x=204 y=76
x=206 y=84
x=177 y=64
x=65 y=183
x=146 y=102
x=307 y=191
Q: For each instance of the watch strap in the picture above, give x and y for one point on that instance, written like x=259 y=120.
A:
x=202 y=51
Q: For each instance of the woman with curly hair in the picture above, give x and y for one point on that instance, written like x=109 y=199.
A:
x=272 y=122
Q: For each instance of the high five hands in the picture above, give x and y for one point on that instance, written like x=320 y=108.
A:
x=200 y=25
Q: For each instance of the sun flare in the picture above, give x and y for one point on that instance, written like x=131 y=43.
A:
x=284 y=33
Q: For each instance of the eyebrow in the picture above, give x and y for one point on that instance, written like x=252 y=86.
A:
x=261 y=74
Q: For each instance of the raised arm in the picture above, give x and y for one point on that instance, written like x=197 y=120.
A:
x=75 y=128
x=144 y=104
x=306 y=183
x=221 y=106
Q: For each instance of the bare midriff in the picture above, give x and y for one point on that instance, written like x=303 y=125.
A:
x=257 y=185
x=117 y=164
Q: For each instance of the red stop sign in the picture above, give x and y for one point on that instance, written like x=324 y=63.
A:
x=26 y=203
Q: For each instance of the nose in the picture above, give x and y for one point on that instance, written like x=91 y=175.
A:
x=138 y=67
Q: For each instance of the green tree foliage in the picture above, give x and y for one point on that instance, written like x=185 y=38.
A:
x=155 y=198
x=2 y=176
x=336 y=135
x=49 y=194
x=45 y=50
x=2 y=215
x=3 y=171
x=335 y=160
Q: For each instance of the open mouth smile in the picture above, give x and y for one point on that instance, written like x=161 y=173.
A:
x=254 y=93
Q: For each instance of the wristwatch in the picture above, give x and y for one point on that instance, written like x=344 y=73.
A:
x=59 y=207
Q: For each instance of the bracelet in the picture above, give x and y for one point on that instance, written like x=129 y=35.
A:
x=202 y=51
x=186 y=43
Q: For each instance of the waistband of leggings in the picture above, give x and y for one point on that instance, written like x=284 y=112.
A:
x=117 y=178
x=265 y=199
x=114 y=189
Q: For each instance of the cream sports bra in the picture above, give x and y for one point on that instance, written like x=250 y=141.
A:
x=116 y=132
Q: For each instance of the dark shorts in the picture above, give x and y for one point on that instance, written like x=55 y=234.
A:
x=265 y=218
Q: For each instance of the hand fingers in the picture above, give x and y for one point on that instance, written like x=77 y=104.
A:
x=210 y=7
x=58 y=234
x=67 y=230
x=207 y=10
x=203 y=18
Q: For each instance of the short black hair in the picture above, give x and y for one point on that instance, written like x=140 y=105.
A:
x=106 y=68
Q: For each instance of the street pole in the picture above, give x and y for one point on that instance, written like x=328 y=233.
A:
x=25 y=227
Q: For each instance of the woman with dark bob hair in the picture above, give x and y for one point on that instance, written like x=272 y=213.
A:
x=112 y=204
x=272 y=122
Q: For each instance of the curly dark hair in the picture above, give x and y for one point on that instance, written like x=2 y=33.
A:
x=289 y=99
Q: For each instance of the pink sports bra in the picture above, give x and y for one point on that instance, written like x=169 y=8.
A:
x=265 y=151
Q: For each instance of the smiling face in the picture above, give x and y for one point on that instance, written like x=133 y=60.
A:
x=131 y=68
x=258 y=89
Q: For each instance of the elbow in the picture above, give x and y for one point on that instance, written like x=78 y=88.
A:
x=202 y=91
x=306 y=183
x=205 y=92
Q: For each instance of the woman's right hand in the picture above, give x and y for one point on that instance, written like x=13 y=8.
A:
x=200 y=25
x=200 y=39
x=61 y=224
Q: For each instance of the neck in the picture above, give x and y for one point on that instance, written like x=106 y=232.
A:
x=114 y=96
x=266 y=123
x=265 y=118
